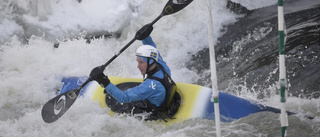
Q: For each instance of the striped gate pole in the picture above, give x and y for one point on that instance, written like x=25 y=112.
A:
x=282 y=70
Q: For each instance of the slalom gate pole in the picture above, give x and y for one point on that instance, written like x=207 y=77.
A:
x=282 y=70
x=215 y=91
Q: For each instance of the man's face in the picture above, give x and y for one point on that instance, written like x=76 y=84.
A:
x=142 y=65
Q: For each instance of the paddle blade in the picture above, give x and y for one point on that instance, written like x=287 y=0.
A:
x=174 y=6
x=56 y=107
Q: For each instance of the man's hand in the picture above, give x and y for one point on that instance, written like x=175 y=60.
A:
x=97 y=75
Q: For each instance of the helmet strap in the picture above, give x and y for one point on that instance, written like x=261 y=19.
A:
x=148 y=67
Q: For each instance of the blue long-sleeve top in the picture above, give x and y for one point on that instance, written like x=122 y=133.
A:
x=149 y=89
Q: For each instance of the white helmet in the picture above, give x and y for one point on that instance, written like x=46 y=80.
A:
x=148 y=52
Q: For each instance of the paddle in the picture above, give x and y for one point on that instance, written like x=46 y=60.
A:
x=56 y=107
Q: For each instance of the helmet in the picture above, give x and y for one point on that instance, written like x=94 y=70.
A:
x=148 y=52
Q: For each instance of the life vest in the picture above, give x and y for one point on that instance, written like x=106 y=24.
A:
x=168 y=84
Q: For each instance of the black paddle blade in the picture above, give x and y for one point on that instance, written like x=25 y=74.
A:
x=174 y=6
x=144 y=32
x=56 y=107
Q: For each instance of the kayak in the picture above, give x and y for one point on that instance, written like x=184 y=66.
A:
x=195 y=100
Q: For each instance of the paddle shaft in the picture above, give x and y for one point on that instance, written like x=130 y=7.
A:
x=126 y=46
x=116 y=55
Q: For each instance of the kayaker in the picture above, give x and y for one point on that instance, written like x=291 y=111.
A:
x=154 y=94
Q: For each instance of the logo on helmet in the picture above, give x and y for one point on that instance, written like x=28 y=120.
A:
x=153 y=54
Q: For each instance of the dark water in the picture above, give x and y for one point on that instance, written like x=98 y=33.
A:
x=247 y=54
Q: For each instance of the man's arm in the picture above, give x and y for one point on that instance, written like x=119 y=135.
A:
x=149 y=41
x=141 y=92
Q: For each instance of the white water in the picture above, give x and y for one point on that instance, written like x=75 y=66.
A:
x=30 y=71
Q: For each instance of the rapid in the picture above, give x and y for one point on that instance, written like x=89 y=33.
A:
x=43 y=41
